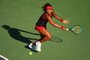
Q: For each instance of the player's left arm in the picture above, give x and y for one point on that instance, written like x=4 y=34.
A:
x=59 y=18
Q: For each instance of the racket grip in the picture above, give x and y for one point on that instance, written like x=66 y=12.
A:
x=67 y=29
x=63 y=28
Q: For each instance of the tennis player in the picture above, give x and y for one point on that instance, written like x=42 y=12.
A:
x=42 y=28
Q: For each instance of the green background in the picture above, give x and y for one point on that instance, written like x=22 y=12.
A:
x=23 y=14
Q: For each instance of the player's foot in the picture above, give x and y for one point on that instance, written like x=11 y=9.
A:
x=31 y=46
x=38 y=46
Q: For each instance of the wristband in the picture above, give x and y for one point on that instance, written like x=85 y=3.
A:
x=61 y=20
x=62 y=27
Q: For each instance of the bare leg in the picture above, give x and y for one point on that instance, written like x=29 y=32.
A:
x=45 y=35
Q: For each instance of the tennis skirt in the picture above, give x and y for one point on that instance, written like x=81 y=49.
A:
x=39 y=28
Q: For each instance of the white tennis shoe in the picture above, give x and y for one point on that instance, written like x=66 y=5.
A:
x=31 y=46
x=38 y=46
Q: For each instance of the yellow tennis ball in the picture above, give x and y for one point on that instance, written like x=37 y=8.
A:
x=30 y=53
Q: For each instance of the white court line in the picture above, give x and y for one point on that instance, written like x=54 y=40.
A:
x=4 y=57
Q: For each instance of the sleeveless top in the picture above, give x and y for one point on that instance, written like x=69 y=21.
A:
x=42 y=22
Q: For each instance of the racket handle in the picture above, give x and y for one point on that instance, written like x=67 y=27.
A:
x=67 y=29
x=63 y=28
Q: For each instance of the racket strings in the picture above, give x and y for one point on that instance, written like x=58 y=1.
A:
x=76 y=29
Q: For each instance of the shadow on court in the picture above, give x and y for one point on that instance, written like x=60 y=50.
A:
x=15 y=33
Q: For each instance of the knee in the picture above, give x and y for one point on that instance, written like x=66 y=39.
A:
x=49 y=37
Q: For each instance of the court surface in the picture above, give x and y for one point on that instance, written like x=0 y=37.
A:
x=17 y=21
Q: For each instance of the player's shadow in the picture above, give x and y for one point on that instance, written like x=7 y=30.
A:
x=15 y=33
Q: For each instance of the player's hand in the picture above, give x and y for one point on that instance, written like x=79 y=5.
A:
x=64 y=29
x=65 y=21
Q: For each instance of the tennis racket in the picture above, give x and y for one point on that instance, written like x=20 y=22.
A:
x=76 y=29
x=56 y=39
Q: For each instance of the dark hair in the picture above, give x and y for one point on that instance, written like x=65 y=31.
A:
x=47 y=4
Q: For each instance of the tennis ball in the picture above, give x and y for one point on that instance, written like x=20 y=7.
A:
x=30 y=53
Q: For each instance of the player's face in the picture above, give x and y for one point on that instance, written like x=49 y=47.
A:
x=49 y=9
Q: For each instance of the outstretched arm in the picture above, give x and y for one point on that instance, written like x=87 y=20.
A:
x=59 y=18
x=54 y=24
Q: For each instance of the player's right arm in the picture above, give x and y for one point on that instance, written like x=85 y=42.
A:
x=54 y=24
x=59 y=18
